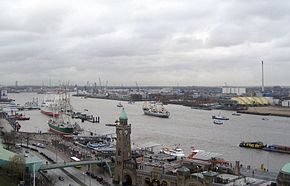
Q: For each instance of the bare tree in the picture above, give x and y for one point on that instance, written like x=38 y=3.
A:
x=9 y=139
x=17 y=165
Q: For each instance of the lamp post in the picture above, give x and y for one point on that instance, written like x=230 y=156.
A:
x=33 y=174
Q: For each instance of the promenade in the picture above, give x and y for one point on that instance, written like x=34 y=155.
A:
x=5 y=126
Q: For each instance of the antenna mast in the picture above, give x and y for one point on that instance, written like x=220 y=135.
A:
x=263 y=89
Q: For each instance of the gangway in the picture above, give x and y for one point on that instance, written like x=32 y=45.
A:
x=73 y=164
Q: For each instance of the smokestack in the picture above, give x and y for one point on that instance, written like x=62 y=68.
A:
x=263 y=89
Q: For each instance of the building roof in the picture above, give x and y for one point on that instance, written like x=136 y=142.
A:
x=5 y=155
x=183 y=169
x=286 y=168
x=123 y=115
x=251 y=100
x=32 y=162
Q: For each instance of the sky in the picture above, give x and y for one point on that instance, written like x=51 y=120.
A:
x=152 y=42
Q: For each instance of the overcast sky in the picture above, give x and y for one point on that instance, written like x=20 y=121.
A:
x=152 y=42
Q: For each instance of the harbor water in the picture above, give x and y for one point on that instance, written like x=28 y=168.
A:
x=186 y=127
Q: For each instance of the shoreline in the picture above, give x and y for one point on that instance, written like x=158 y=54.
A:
x=267 y=111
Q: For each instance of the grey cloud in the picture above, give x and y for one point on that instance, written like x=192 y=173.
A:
x=153 y=42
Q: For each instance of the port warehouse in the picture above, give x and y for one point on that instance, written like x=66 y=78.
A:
x=252 y=101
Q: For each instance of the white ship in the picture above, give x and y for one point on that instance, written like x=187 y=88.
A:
x=155 y=109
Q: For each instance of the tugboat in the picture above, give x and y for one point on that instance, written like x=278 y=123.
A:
x=155 y=109
x=253 y=145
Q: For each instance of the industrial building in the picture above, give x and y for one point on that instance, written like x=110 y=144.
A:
x=234 y=90
x=251 y=101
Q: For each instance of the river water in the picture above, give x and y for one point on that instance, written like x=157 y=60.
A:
x=186 y=127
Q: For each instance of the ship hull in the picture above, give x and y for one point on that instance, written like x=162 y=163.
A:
x=49 y=113
x=160 y=115
x=60 y=130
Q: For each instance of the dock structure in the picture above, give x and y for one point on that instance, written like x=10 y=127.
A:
x=86 y=117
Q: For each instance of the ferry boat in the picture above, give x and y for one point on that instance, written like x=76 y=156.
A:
x=253 y=145
x=277 y=148
x=177 y=152
x=217 y=122
x=155 y=109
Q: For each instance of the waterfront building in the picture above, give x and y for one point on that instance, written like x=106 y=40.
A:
x=234 y=90
x=251 y=101
x=153 y=169
x=285 y=103
x=3 y=95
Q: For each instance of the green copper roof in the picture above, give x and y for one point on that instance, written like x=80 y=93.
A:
x=123 y=115
x=5 y=155
x=286 y=168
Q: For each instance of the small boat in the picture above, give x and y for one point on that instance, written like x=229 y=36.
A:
x=219 y=117
x=17 y=116
x=155 y=109
x=265 y=119
x=177 y=152
x=119 y=104
x=21 y=117
x=217 y=122
x=236 y=114
x=130 y=102
x=277 y=148
x=253 y=145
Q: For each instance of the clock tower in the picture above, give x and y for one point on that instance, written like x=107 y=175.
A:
x=123 y=150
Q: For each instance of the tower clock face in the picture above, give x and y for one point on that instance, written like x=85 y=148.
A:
x=126 y=132
x=120 y=131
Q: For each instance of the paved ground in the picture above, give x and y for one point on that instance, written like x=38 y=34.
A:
x=5 y=126
x=72 y=175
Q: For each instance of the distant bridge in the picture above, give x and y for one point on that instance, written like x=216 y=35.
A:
x=73 y=164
